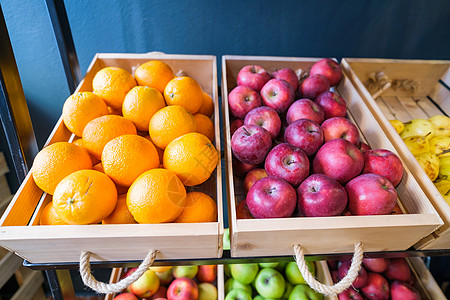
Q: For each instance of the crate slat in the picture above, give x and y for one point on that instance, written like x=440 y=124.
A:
x=30 y=286
x=428 y=107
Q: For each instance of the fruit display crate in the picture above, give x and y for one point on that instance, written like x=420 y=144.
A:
x=19 y=226
x=324 y=235
x=423 y=92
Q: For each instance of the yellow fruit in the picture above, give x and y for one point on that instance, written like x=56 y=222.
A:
x=81 y=108
x=440 y=145
x=430 y=164
x=140 y=104
x=184 y=91
x=112 y=84
x=444 y=167
x=207 y=107
x=420 y=127
x=85 y=197
x=441 y=125
x=443 y=187
x=154 y=74
x=192 y=157
x=204 y=126
x=398 y=125
x=169 y=123
x=199 y=208
x=417 y=144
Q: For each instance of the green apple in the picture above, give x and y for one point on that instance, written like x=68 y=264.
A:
x=282 y=266
x=259 y=297
x=232 y=284
x=270 y=283
x=444 y=168
x=207 y=291
x=268 y=265
x=287 y=290
x=226 y=239
x=293 y=274
x=419 y=127
x=244 y=273
x=146 y=285
x=185 y=271
x=441 y=125
x=238 y=294
x=304 y=292
x=226 y=270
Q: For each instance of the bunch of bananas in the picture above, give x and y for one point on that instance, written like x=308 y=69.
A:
x=429 y=141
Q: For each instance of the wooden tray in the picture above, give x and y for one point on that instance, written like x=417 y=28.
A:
x=271 y=237
x=52 y=244
x=431 y=97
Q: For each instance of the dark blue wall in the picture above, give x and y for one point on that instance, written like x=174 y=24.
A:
x=391 y=29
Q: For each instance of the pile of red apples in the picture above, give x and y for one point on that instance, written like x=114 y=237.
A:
x=378 y=278
x=299 y=153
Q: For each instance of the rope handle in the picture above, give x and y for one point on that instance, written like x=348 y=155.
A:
x=337 y=288
x=112 y=288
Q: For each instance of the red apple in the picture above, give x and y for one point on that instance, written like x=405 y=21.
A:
x=287 y=162
x=243 y=99
x=328 y=68
x=252 y=177
x=304 y=134
x=334 y=276
x=265 y=117
x=313 y=86
x=332 y=264
x=370 y=194
x=287 y=74
x=146 y=285
x=160 y=293
x=378 y=265
x=235 y=125
x=126 y=296
x=253 y=76
x=377 y=287
x=364 y=147
x=207 y=273
x=242 y=211
x=361 y=279
x=403 y=291
x=183 y=288
x=277 y=94
x=398 y=269
x=271 y=197
x=250 y=144
x=304 y=109
x=321 y=196
x=385 y=163
x=339 y=127
x=332 y=104
x=350 y=294
x=339 y=159
x=241 y=169
x=165 y=277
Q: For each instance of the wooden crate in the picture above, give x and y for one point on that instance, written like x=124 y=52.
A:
x=426 y=284
x=430 y=97
x=272 y=237
x=5 y=192
x=52 y=244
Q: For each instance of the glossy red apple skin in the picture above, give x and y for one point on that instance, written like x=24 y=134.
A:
x=339 y=159
x=271 y=197
x=378 y=265
x=350 y=294
x=182 y=288
x=160 y=293
x=252 y=177
x=243 y=99
x=398 y=269
x=403 y=291
x=126 y=296
x=253 y=76
x=385 y=163
x=235 y=124
x=277 y=94
x=339 y=127
x=287 y=74
x=287 y=162
x=265 y=117
x=313 y=86
x=328 y=68
x=207 y=273
x=364 y=147
x=371 y=194
x=361 y=279
x=305 y=109
x=321 y=196
x=332 y=104
x=306 y=135
x=377 y=287
x=242 y=211
x=241 y=169
x=250 y=144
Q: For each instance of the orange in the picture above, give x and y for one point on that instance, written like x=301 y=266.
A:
x=81 y=108
x=55 y=162
x=120 y=214
x=184 y=91
x=159 y=150
x=50 y=217
x=126 y=157
x=204 y=126
x=85 y=197
x=101 y=130
x=114 y=111
x=207 y=107
x=199 y=208
x=79 y=143
x=169 y=123
x=112 y=84
x=120 y=189
x=157 y=196
x=192 y=157
x=155 y=74
x=140 y=104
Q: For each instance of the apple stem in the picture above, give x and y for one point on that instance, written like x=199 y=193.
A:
x=246 y=131
x=271 y=190
x=253 y=69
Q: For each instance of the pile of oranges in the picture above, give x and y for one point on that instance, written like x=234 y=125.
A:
x=141 y=143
